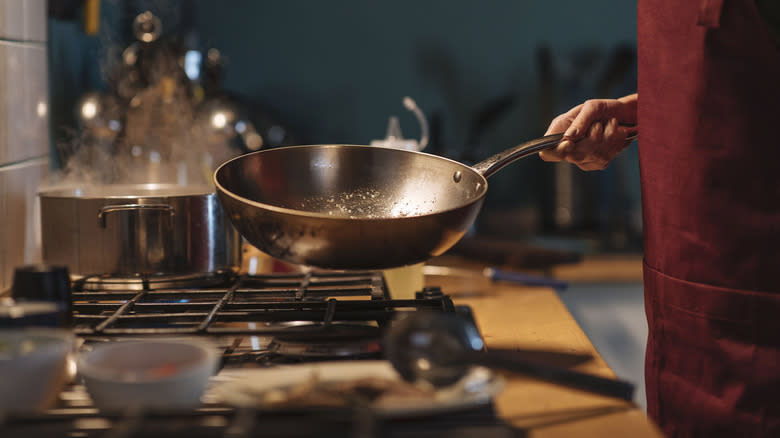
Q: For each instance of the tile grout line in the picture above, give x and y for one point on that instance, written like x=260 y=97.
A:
x=42 y=159
x=26 y=42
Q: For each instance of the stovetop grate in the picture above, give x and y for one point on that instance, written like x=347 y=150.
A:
x=246 y=304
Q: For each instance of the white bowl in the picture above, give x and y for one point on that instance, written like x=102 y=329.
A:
x=33 y=367
x=151 y=374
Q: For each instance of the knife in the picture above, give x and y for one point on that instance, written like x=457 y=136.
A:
x=497 y=274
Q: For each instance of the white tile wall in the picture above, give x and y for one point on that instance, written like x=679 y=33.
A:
x=20 y=234
x=12 y=19
x=23 y=20
x=24 y=102
x=11 y=96
x=35 y=135
x=24 y=131
x=34 y=20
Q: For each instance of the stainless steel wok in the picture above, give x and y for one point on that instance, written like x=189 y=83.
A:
x=357 y=207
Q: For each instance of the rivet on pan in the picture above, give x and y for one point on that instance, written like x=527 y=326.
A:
x=457 y=176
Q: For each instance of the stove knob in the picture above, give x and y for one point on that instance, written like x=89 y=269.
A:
x=44 y=283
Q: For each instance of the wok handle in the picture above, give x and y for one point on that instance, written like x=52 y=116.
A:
x=129 y=207
x=500 y=160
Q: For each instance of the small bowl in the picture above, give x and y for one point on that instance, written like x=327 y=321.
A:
x=33 y=367
x=163 y=374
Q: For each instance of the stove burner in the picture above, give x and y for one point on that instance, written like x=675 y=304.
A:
x=328 y=340
x=110 y=282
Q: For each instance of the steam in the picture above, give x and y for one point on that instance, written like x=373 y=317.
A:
x=154 y=125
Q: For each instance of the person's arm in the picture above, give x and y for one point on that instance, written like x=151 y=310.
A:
x=595 y=132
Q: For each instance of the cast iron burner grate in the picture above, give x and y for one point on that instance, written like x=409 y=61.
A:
x=247 y=304
x=257 y=319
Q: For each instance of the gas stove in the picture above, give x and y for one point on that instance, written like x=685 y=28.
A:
x=258 y=321
x=257 y=318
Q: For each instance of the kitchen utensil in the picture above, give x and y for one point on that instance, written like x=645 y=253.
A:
x=137 y=229
x=441 y=348
x=157 y=373
x=33 y=366
x=357 y=207
x=497 y=274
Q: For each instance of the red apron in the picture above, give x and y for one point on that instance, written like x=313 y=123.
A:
x=709 y=116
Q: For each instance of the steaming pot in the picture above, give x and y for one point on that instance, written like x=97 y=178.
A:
x=137 y=229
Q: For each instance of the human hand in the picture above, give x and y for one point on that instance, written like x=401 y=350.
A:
x=595 y=132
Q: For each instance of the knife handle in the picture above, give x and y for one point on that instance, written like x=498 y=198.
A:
x=496 y=274
x=506 y=361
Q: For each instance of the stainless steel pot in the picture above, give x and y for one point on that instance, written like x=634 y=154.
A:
x=137 y=229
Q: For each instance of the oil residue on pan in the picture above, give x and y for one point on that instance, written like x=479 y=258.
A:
x=367 y=204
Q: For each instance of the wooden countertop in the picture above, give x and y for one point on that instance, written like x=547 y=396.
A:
x=520 y=316
x=605 y=268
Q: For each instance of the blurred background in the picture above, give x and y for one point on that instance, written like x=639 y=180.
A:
x=112 y=90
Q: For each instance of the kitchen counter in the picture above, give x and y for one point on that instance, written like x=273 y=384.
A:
x=520 y=316
x=602 y=268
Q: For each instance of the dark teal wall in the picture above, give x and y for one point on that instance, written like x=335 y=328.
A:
x=337 y=69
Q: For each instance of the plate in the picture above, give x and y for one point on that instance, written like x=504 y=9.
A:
x=249 y=387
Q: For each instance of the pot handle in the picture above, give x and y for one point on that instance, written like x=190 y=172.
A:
x=500 y=160
x=129 y=207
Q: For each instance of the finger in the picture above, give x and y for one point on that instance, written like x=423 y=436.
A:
x=608 y=142
x=611 y=144
x=610 y=129
x=596 y=133
x=590 y=112
x=593 y=165
x=557 y=153
x=558 y=124
x=588 y=148
x=615 y=138
x=549 y=156
x=562 y=121
x=627 y=131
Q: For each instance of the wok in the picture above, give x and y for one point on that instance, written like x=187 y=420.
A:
x=357 y=207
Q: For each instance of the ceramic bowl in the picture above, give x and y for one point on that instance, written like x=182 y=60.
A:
x=163 y=374
x=33 y=367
